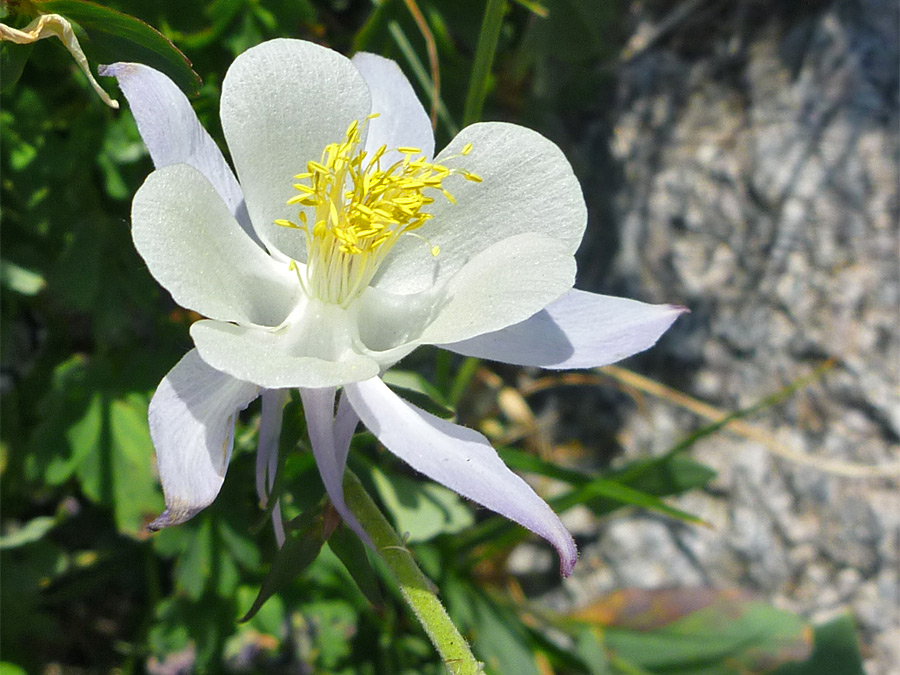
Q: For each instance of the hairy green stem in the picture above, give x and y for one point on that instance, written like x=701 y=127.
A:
x=484 y=59
x=417 y=590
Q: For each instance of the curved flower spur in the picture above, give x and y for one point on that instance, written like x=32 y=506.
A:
x=342 y=245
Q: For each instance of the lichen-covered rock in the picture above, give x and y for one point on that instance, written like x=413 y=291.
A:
x=758 y=146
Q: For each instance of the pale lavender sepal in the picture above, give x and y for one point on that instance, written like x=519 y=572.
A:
x=267 y=447
x=278 y=523
x=192 y=417
x=579 y=330
x=273 y=401
x=345 y=422
x=318 y=406
x=173 y=134
x=459 y=458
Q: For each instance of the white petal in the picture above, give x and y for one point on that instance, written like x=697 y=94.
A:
x=274 y=360
x=282 y=102
x=458 y=458
x=192 y=418
x=195 y=248
x=318 y=407
x=401 y=121
x=500 y=286
x=172 y=132
x=527 y=186
x=390 y=324
x=580 y=330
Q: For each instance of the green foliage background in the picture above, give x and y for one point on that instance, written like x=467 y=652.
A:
x=87 y=335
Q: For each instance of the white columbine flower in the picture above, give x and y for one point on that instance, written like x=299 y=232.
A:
x=341 y=247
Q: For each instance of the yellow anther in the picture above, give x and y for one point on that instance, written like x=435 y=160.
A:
x=360 y=210
x=466 y=149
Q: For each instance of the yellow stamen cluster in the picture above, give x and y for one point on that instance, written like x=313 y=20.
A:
x=358 y=211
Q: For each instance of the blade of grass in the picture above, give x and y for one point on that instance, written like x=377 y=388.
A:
x=409 y=53
x=500 y=532
x=732 y=421
x=464 y=375
x=534 y=7
x=484 y=59
x=431 y=48
x=588 y=488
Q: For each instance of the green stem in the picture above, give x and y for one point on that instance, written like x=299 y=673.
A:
x=415 y=587
x=484 y=59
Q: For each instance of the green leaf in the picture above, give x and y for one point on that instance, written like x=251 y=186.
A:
x=19 y=279
x=34 y=530
x=26 y=617
x=12 y=669
x=600 y=494
x=271 y=616
x=498 y=636
x=653 y=477
x=419 y=391
x=589 y=489
x=117 y=468
x=181 y=622
x=350 y=550
x=220 y=13
x=170 y=634
x=699 y=631
x=304 y=541
x=663 y=476
x=835 y=651
x=589 y=648
x=421 y=510
x=13 y=58
x=334 y=623
x=195 y=565
x=115 y=36
x=463 y=377
x=99 y=434
x=172 y=541
x=242 y=549
x=64 y=407
x=211 y=558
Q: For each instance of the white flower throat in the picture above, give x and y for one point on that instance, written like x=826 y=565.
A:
x=359 y=210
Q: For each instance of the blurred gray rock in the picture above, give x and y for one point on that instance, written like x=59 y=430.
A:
x=758 y=148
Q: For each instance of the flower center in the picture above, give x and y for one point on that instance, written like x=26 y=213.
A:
x=359 y=210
